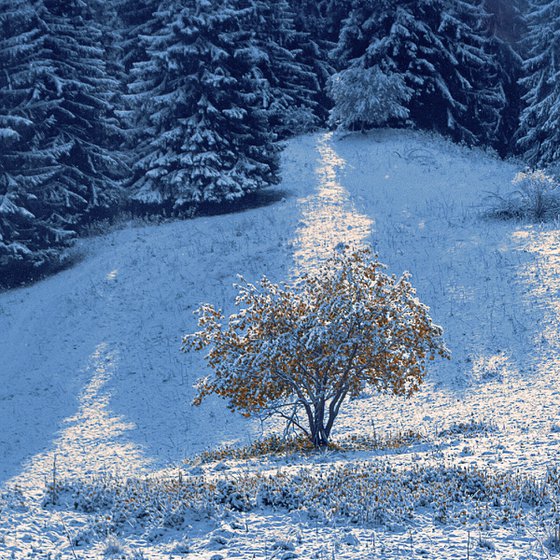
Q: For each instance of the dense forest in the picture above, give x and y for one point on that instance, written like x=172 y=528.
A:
x=175 y=107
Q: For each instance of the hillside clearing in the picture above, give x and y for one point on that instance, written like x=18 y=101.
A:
x=93 y=381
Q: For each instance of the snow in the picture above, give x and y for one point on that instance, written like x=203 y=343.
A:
x=93 y=383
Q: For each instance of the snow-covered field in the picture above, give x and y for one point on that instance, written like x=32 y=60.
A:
x=94 y=389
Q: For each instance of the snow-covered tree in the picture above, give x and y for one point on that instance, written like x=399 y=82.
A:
x=505 y=27
x=367 y=97
x=137 y=19
x=29 y=236
x=476 y=79
x=292 y=88
x=433 y=54
x=507 y=18
x=319 y=22
x=322 y=18
x=539 y=132
x=82 y=132
x=332 y=15
x=299 y=351
x=58 y=133
x=209 y=136
x=105 y=15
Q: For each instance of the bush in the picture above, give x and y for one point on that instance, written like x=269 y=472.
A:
x=536 y=197
x=299 y=351
x=537 y=192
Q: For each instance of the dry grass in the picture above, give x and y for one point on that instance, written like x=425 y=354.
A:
x=276 y=446
x=369 y=493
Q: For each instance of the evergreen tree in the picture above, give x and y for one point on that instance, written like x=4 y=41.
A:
x=321 y=19
x=507 y=19
x=29 y=236
x=137 y=19
x=368 y=97
x=83 y=134
x=506 y=26
x=58 y=133
x=210 y=139
x=291 y=89
x=539 y=133
x=105 y=15
x=431 y=58
x=476 y=80
x=320 y=22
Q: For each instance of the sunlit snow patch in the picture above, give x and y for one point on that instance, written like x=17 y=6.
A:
x=543 y=276
x=328 y=216
x=92 y=442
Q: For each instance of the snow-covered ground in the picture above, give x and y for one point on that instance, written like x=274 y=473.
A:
x=93 y=383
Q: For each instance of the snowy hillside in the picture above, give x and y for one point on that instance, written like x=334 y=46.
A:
x=93 y=383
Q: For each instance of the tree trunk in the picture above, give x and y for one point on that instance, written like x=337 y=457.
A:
x=318 y=431
x=319 y=437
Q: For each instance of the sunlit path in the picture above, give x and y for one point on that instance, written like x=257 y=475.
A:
x=93 y=443
x=328 y=216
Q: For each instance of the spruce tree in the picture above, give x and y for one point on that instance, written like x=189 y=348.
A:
x=507 y=19
x=137 y=19
x=319 y=22
x=506 y=27
x=83 y=135
x=539 y=132
x=323 y=19
x=30 y=236
x=430 y=58
x=292 y=95
x=210 y=139
x=59 y=159
x=476 y=80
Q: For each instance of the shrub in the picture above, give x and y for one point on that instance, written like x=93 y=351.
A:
x=536 y=191
x=536 y=197
x=369 y=493
x=301 y=350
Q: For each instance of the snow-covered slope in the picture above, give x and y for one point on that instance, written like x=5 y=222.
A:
x=93 y=383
